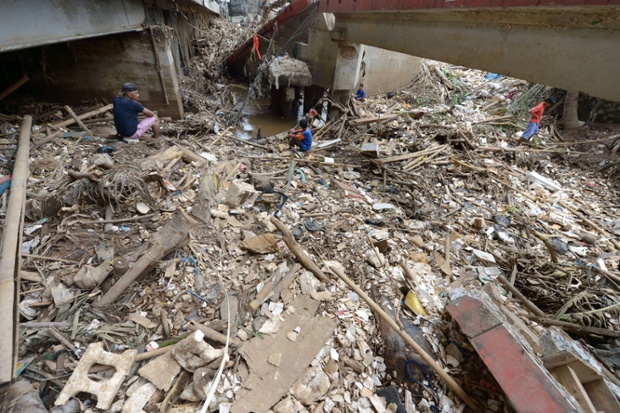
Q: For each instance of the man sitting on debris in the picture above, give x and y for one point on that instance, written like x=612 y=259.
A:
x=360 y=94
x=126 y=111
x=537 y=112
x=301 y=138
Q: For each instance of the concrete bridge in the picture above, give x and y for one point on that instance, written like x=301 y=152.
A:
x=568 y=44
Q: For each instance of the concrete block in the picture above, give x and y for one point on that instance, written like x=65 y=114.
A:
x=105 y=390
x=370 y=149
x=526 y=383
x=240 y=193
x=161 y=371
x=193 y=352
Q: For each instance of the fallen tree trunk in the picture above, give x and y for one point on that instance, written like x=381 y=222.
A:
x=11 y=258
x=169 y=237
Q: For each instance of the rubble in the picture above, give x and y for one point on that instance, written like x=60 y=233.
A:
x=324 y=281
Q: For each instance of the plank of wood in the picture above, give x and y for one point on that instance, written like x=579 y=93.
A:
x=568 y=378
x=602 y=398
x=82 y=116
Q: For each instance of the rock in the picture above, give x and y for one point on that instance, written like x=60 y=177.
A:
x=308 y=283
x=240 y=193
x=193 y=352
x=275 y=359
x=311 y=386
x=139 y=398
x=161 y=371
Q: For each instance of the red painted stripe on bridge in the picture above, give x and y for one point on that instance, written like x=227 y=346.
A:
x=346 y=6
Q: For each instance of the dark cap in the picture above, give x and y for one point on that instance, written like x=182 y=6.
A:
x=550 y=100
x=129 y=87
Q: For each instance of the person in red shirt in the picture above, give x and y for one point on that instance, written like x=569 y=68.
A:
x=537 y=112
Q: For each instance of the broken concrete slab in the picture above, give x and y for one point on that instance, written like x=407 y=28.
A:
x=240 y=193
x=267 y=383
x=193 y=352
x=105 y=390
x=161 y=371
x=139 y=398
x=20 y=397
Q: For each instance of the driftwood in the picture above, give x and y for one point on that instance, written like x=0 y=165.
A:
x=83 y=116
x=590 y=223
x=575 y=328
x=299 y=252
x=530 y=305
x=14 y=87
x=169 y=237
x=10 y=261
x=169 y=155
x=270 y=285
x=390 y=321
x=78 y=120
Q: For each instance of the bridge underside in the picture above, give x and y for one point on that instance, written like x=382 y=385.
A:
x=575 y=49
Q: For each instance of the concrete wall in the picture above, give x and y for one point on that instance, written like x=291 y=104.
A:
x=385 y=71
x=339 y=65
x=572 y=49
x=96 y=68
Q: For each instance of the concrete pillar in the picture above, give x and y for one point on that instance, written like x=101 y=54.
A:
x=348 y=64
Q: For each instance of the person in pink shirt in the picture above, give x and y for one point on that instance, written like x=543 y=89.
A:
x=533 y=125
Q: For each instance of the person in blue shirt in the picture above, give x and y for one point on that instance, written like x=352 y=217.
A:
x=301 y=138
x=360 y=94
x=126 y=111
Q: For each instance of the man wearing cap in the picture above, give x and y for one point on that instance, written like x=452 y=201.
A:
x=126 y=111
x=532 y=126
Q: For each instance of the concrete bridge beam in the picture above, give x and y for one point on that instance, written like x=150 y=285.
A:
x=572 y=50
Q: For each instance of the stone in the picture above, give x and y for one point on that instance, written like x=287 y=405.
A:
x=105 y=390
x=311 y=386
x=308 y=283
x=139 y=398
x=161 y=371
x=240 y=193
x=193 y=352
x=275 y=359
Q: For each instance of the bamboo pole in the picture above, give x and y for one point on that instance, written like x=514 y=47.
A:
x=427 y=359
x=9 y=277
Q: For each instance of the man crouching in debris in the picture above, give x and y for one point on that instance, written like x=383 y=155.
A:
x=126 y=111
x=301 y=138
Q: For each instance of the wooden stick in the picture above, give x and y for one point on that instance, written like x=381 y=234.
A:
x=78 y=120
x=530 y=305
x=590 y=223
x=41 y=257
x=577 y=328
x=427 y=359
x=299 y=252
x=46 y=324
x=9 y=273
x=14 y=87
x=212 y=334
x=82 y=117
x=545 y=240
x=282 y=158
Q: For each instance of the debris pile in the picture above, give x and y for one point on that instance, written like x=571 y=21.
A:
x=202 y=272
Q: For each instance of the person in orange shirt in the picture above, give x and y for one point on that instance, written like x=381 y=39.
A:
x=532 y=126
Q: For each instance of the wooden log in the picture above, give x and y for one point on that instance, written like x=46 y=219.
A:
x=427 y=358
x=212 y=334
x=299 y=252
x=78 y=120
x=83 y=116
x=169 y=237
x=14 y=87
x=575 y=328
x=590 y=223
x=10 y=260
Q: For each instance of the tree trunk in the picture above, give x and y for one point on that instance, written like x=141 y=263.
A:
x=569 y=115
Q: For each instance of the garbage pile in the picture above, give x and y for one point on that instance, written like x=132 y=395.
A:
x=201 y=272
